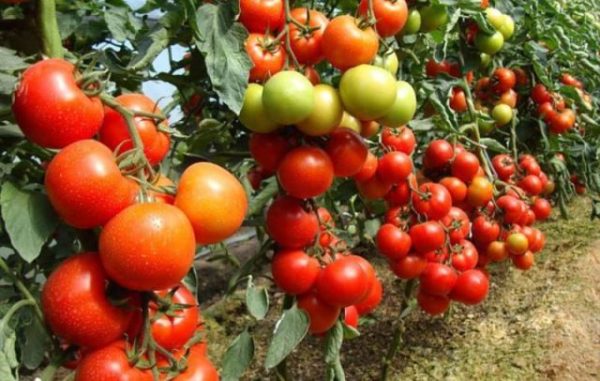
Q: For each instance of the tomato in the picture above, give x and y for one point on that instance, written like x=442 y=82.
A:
x=538 y=241
x=542 y=209
x=394 y=167
x=351 y=316
x=434 y=68
x=85 y=186
x=494 y=17
x=433 y=304
x=427 y=236
x=267 y=56
x=413 y=23
x=508 y=98
x=368 y=92
x=346 y=45
x=268 y=150
x=504 y=165
x=255 y=177
x=289 y=224
x=306 y=172
x=373 y=299
x=437 y=279
x=253 y=114
x=388 y=61
x=260 y=16
x=110 y=363
x=306 y=44
x=322 y=316
x=348 y=152
x=391 y=15
x=76 y=307
x=404 y=107
x=351 y=123
x=312 y=74
x=563 y=121
x=199 y=367
x=471 y=287
x=504 y=79
x=485 y=230
x=343 y=282
x=402 y=140
x=433 y=201
x=523 y=262
x=457 y=224
x=433 y=16
x=480 y=191
x=373 y=188
x=508 y=27
x=294 y=271
x=326 y=115
x=368 y=169
x=465 y=166
x=288 y=97
x=213 y=200
x=409 y=267
x=439 y=153
x=464 y=256
x=540 y=94
x=393 y=242
x=531 y=184
x=51 y=109
x=489 y=43
x=511 y=207
x=457 y=189
x=484 y=4
x=458 y=101
x=399 y=195
x=502 y=114
x=569 y=80
x=530 y=166
x=161 y=194
x=115 y=134
x=517 y=243
x=497 y=251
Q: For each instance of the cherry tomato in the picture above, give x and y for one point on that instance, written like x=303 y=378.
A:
x=517 y=243
x=391 y=16
x=294 y=271
x=427 y=236
x=540 y=94
x=563 y=121
x=485 y=230
x=465 y=166
x=457 y=224
x=399 y=195
x=471 y=287
x=523 y=262
x=348 y=152
x=343 y=282
x=531 y=184
x=511 y=207
x=457 y=189
x=392 y=242
x=402 y=139
x=260 y=16
x=504 y=166
x=458 y=100
x=269 y=150
x=306 y=44
x=409 y=267
x=433 y=201
x=508 y=98
x=322 y=316
x=439 y=153
x=437 y=279
x=288 y=97
x=267 y=56
x=497 y=251
x=466 y=257
x=542 y=209
x=502 y=114
x=394 y=167
x=503 y=80
x=433 y=304
x=110 y=363
x=346 y=45
x=373 y=188
x=306 y=172
x=290 y=224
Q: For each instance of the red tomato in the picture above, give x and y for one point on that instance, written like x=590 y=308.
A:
x=437 y=279
x=466 y=257
x=538 y=241
x=399 y=195
x=434 y=68
x=540 y=94
x=409 y=267
x=368 y=169
x=51 y=109
x=485 y=230
x=458 y=100
x=393 y=242
x=433 y=201
x=503 y=80
x=346 y=45
x=465 y=166
x=439 y=153
x=531 y=184
x=563 y=121
x=374 y=188
x=199 y=367
x=260 y=16
x=457 y=189
x=343 y=282
x=391 y=15
x=504 y=165
x=542 y=209
x=322 y=316
x=312 y=74
x=511 y=207
x=427 y=236
x=76 y=307
x=306 y=172
x=348 y=152
x=85 y=186
x=509 y=98
x=268 y=149
x=290 y=225
x=306 y=44
x=523 y=262
x=471 y=287
x=373 y=299
x=457 y=224
x=395 y=167
x=267 y=56
x=433 y=304
x=148 y=247
x=402 y=139
x=530 y=165
x=351 y=316
x=569 y=80
x=110 y=363
x=115 y=135
x=294 y=271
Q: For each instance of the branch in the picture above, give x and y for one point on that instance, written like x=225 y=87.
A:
x=50 y=35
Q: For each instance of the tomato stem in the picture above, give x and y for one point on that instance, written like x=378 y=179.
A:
x=286 y=30
x=23 y=289
x=49 y=33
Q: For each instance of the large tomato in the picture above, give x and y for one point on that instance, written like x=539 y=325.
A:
x=372 y=300
x=368 y=92
x=348 y=152
x=343 y=282
x=51 y=109
x=76 y=307
x=268 y=150
x=409 y=267
x=391 y=15
x=504 y=166
x=432 y=200
x=465 y=166
x=433 y=304
x=85 y=186
x=253 y=114
x=213 y=200
x=110 y=363
x=306 y=44
x=327 y=113
x=267 y=56
x=346 y=45
x=306 y=172
x=294 y=271
x=404 y=107
x=322 y=316
x=260 y=16
x=148 y=246
x=115 y=135
x=290 y=224
x=457 y=224
x=288 y=97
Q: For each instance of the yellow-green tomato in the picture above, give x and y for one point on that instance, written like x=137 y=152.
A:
x=502 y=114
x=508 y=27
x=489 y=43
x=326 y=115
x=253 y=115
x=368 y=92
x=485 y=60
x=413 y=23
x=350 y=122
x=433 y=16
x=288 y=97
x=494 y=17
x=388 y=61
x=404 y=107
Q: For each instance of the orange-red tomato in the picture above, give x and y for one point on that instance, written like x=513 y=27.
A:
x=346 y=45
x=267 y=56
x=110 y=363
x=260 y=16
x=306 y=44
x=458 y=101
x=391 y=15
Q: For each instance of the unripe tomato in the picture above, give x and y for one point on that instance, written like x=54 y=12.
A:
x=322 y=316
x=213 y=200
x=51 y=109
x=306 y=45
x=433 y=304
x=388 y=61
x=508 y=27
x=368 y=92
x=260 y=16
x=438 y=279
x=502 y=114
x=348 y=152
x=253 y=114
x=373 y=299
x=494 y=17
x=343 y=282
x=346 y=45
x=497 y=251
x=288 y=97
x=390 y=15
x=413 y=24
x=294 y=271
x=110 y=363
x=267 y=56
x=268 y=150
x=433 y=16
x=306 y=172
x=480 y=191
x=403 y=108
x=85 y=186
x=517 y=243
x=471 y=287
x=289 y=224
x=489 y=44
x=326 y=115
x=350 y=122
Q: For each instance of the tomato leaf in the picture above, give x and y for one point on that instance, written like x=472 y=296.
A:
x=121 y=23
x=493 y=145
x=257 y=300
x=289 y=332
x=34 y=344
x=333 y=343
x=237 y=357
x=8 y=357
x=149 y=47
x=29 y=220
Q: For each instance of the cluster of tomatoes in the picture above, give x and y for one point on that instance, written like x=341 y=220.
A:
x=490 y=42
x=497 y=93
x=123 y=306
x=552 y=108
x=447 y=223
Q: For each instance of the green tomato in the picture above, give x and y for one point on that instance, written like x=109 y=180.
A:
x=368 y=92
x=494 y=17
x=350 y=122
x=502 y=114
x=508 y=27
x=413 y=23
x=388 y=61
x=404 y=107
x=485 y=60
x=288 y=97
x=489 y=43
x=433 y=17
x=326 y=115
x=253 y=115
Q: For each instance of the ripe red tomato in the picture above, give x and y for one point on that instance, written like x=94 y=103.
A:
x=537 y=242
x=322 y=316
x=433 y=304
x=390 y=15
x=439 y=153
x=306 y=44
x=465 y=166
x=373 y=299
x=457 y=189
x=434 y=68
x=427 y=236
x=306 y=172
x=399 y=195
x=509 y=98
x=115 y=135
x=409 y=267
x=437 y=279
x=351 y=316
x=542 y=209
x=268 y=149
x=51 y=109
x=458 y=100
x=503 y=80
x=561 y=122
x=466 y=257
x=531 y=184
x=504 y=165
x=457 y=224
x=199 y=367
x=485 y=230
x=433 y=201
x=110 y=363
x=346 y=45
x=471 y=287
x=373 y=188
x=530 y=165
x=85 y=186
x=480 y=191
x=400 y=139
x=290 y=224
x=348 y=152
x=392 y=242
x=523 y=262
x=394 y=167
x=76 y=307
x=512 y=208
x=267 y=56
x=569 y=80
x=368 y=169
x=343 y=282
x=294 y=271
x=540 y=94
x=260 y=16
x=213 y=200
x=148 y=247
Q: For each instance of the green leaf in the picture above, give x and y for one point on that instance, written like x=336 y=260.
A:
x=149 y=48
x=121 y=23
x=10 y=61
x=10 y=131
x=35 y=344
x=289 y=332
x=221 y=40
x=237 y=358
x=350 y=332
x=267 y=193
x=333 y=343
x=7 y=83
x=371 y=227
x=257 y=300
x=29 y=220
x=493 y=145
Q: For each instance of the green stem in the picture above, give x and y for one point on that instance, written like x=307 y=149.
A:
x=281 y=371
x=23 y=289
x=286 y=31
x=50 y=35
